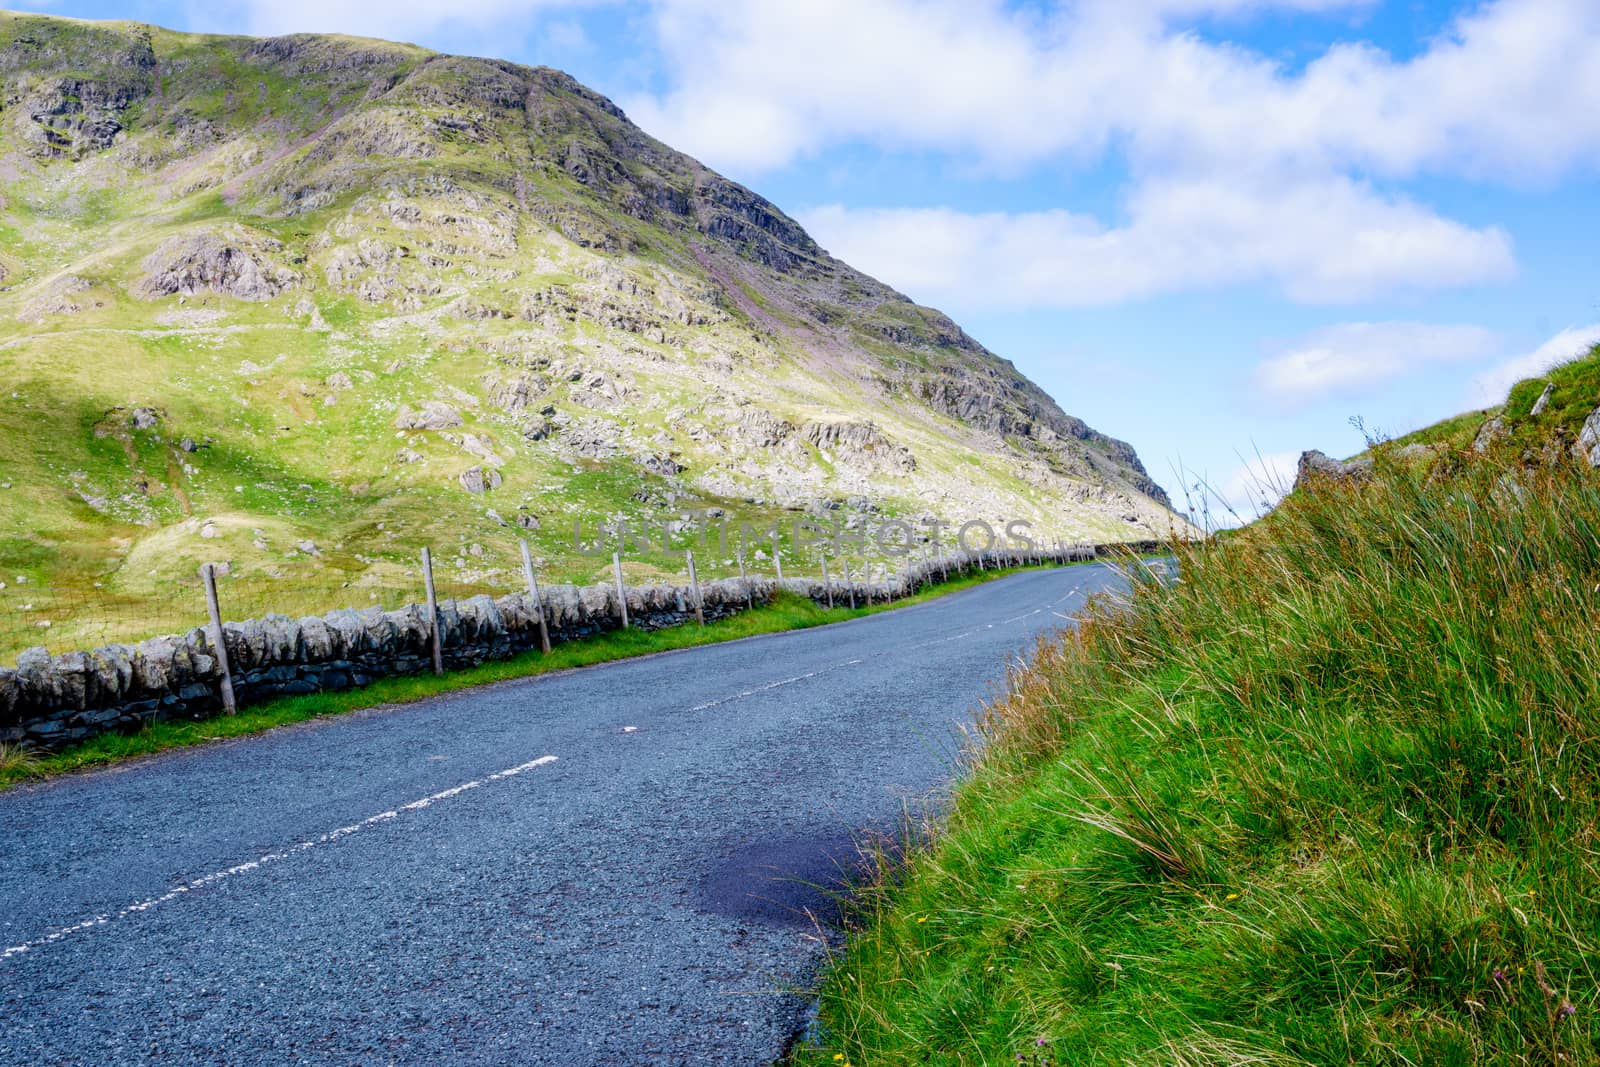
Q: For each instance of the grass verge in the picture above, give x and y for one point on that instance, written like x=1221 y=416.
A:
x=787 y=612
x=1333 y=798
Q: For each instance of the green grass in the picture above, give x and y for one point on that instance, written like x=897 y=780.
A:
x=1574 y=394
x=786 y=612
x=1456 y=432
x=1333 y=798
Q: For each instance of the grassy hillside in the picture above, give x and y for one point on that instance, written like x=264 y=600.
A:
x=1574 y=392
x=256 y=294
x=1332 y=798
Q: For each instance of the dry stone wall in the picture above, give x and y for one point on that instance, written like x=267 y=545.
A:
x=52 y=700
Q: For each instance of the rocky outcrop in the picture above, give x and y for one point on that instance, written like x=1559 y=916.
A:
x=233 y=263
x=1493 y=431
x=860 y=444
x=1587 y=446
x=760 y=428
x=1317 y=467
x=479 y=479
x=68 y=88
x=433 y=415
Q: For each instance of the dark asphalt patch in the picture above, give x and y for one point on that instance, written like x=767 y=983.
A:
x=789 y=881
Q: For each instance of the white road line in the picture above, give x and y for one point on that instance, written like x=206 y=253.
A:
x=1018 y=618
x=1071 y=592
x=780 y=683
x=271 y=857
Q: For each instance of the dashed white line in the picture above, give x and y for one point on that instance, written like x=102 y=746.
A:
x=271 y=857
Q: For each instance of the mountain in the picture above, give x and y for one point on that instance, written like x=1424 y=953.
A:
x=307 y=303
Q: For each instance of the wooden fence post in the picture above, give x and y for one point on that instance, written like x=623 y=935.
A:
x=850 y=585
x=827 y=583
x=777 y=557
x=694 y=583
x=744 y=579
x=436 y=638
x=622 y=594
x=533 y=591
x=208 y=576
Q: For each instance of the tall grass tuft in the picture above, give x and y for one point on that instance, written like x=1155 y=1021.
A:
x=1331 y=797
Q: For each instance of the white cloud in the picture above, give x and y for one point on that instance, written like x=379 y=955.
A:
x=1358 y=357
x=1491 y=387
x=1512 y=89
x=1318 y=241
x=1241 y=169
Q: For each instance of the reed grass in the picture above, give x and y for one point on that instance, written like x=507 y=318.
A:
x=1332 y=797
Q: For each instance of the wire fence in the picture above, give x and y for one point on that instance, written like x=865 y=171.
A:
x=65 y=617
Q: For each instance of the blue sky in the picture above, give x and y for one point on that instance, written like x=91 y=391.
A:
x=1216 y=228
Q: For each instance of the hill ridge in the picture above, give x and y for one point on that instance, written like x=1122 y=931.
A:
x=615 y=327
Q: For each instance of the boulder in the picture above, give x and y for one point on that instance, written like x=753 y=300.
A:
x=1492 y=431
x=1318 y=466
x=434 y=415
x=479 y=480
x=59 y=296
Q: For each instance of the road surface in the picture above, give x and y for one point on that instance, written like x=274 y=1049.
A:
x=606 y=866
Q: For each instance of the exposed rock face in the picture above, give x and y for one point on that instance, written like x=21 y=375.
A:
x=760 y=428
x=517 y=394
x=1543 y=401
x=1587 y=447
x=433 y=415
x=235 y=264
x=860 y=443
x=64 y=106
x=1315 y=466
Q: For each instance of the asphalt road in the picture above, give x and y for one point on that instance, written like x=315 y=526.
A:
x=605 y=866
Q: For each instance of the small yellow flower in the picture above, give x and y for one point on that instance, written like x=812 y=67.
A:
x=922 y=918
x=1230 y=896
x=838 y=1057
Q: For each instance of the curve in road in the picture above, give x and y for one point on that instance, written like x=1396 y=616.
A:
x=614 y=865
